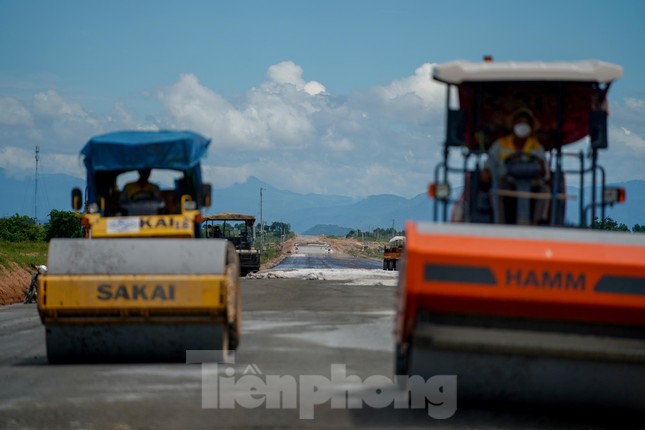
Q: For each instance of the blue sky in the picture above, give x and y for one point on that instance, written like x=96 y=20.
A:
x=312 y=96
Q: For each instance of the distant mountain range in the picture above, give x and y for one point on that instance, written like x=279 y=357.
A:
x=302 y=211
x=327 y=230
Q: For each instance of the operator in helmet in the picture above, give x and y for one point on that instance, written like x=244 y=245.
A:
x=522 y=143
x=141 y=189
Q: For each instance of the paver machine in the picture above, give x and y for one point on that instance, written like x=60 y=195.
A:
x=240 y=231
x=141 y=285
x=550 y=312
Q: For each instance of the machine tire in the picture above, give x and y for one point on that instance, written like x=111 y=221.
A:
x=129 y=343
x=233 y=335
x=226 y=333
x=401 y=361
x=385 y=264
x=234 y=328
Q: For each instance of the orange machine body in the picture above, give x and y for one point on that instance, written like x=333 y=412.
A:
x=555 y=274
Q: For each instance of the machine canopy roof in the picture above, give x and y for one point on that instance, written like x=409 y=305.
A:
x=561 y=97
x=456 y=72
x=228 y=216
x=132 y=150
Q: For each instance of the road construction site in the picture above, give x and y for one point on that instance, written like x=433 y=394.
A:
x=293 y=325
x=521 y=323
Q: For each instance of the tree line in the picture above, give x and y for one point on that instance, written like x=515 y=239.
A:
x=378 y=234
x=612 y=225
x=22 y=228
x=275 y=227
x=384 y=234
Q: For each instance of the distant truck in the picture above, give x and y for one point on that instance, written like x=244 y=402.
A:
x=392 y=252
x=238 y=229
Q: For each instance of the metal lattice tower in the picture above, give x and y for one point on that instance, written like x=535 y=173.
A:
x=36 y=185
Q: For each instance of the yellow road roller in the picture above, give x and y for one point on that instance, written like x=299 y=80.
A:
x=141 y=285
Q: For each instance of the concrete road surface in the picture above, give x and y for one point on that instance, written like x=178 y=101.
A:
x=319 y=255
x=292 y=328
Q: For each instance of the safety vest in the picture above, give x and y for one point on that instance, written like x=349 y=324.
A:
x=507 y=147
x=134 y=188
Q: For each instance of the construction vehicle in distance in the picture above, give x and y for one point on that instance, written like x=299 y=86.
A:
x=537 y=314
x=392 y=252
x=140 y=286
x=239 y=230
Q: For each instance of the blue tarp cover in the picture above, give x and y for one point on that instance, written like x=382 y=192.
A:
x=131 y=150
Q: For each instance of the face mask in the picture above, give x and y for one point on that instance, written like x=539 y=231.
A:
x=522 y=130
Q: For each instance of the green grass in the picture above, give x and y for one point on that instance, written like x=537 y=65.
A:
x=23 y=253
x=269 y=253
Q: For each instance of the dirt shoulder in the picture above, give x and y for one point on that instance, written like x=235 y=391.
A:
x=14 y=280
x=355 y=247
x=285 y=248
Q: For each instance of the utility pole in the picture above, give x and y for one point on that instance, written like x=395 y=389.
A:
x=36 y=185
x=261 y=223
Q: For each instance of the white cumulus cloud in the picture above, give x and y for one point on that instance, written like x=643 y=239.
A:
x=635 y=104
x=20 y=162
x=51 y=104
x=12 y=112
x=312 y=88
x=264 y=120
x=287 y=131
x=17 y=161
x=287 y=72
x=417 y=96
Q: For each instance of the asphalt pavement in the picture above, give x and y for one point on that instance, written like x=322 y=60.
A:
x=313 y=354
x=321 y=256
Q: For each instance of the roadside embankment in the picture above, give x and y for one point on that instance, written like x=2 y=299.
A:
x=14 y=280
